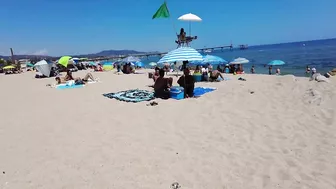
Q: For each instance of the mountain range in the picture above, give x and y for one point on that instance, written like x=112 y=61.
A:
x=99 y=54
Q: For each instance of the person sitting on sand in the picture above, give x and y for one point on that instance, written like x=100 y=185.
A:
x=205 y=76
x=99 y=68
x=277 y=71
x=156 y=73
x=162 y=85
x=187 y=82
x=197 y=70
x=307 y=70
x=214 y=75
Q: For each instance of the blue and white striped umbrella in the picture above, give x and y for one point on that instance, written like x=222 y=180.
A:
x=276 y=63
x=181 y=54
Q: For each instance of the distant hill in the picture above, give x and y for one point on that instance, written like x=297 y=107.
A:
x=99 y=54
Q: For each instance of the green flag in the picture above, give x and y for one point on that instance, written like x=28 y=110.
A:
x=162 y=12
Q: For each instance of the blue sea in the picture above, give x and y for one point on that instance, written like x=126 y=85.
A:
x=319 y=54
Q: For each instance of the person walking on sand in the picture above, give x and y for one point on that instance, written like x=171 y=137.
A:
x=270 y=70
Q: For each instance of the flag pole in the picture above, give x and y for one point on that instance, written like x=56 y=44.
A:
x=174 y=28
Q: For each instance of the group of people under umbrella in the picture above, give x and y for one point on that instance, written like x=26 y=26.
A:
x=189 y=56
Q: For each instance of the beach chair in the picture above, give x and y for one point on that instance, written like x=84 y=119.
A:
x=184 y=42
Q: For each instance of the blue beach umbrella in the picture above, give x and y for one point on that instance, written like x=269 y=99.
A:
x=276 y=63
x=139 y=64
x=107 y=63
x=153 y=64
x=213 y=59
x=181 y=54
x=92 y=64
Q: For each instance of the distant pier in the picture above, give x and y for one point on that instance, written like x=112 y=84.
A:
x=205 y=49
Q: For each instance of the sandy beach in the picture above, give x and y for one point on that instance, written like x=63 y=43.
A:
x=266 y=132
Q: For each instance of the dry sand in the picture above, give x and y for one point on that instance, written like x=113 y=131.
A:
x=281 y=136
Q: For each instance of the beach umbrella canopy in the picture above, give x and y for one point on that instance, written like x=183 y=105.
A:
x=213 y=59
x=152 y=64
x=240 y=61
x=64 y=60
x=92 y=64
x=75 y=60
x=181 y=54
x=29 y=64
x=190 y=17
x=108 y=63
x=139 y=64
x=131 y=59
x=8 y=67
x=43 y=67
x=276 y=63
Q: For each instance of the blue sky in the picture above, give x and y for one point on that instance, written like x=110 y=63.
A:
x=61 y=27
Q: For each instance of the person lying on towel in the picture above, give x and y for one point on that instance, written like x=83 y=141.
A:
x=187 y=82
x=78 y=81
x=162 y=85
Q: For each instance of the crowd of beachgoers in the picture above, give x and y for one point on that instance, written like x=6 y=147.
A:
x=190 y=73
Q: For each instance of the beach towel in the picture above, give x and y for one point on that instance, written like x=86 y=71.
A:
x=65 y=86
x=199 y=91
x=134 y=95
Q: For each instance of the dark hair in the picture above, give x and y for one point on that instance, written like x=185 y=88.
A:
x=197 y=67
x=161 y=73
x=181 y=31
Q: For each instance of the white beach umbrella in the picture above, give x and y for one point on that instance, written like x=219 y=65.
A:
x=44 y=67
x=240 y=61
x=190 y=18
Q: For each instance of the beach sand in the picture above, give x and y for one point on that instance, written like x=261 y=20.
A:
x=266 y=132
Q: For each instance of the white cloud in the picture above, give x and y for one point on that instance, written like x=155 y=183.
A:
x=41 y=52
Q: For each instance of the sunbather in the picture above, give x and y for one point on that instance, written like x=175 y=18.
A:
x=77 y=80
x=162 y=85
x=188 y=83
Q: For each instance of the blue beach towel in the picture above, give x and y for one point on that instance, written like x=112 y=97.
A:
x=65 y=86
x=199 y=91
x=134 y=95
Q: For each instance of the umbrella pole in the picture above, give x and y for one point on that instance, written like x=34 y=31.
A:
x=189 y=28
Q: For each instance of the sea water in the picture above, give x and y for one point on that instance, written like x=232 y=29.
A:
x=319 y=54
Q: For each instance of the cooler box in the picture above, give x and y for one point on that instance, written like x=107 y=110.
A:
x=177 y=93
x=197 y=77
